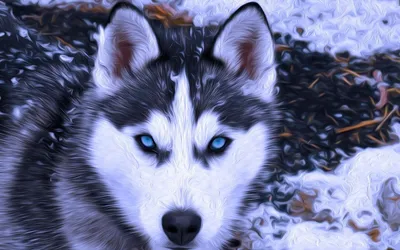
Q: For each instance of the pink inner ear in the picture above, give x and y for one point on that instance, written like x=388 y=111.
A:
x=247 y=56
x=123 y=56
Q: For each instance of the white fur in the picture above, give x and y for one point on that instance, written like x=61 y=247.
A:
x=139 y=33
x=240 y=29
x=145 y=191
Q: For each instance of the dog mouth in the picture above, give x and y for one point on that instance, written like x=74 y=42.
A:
x=231 y=244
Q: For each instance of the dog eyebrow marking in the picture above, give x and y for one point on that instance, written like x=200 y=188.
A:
x=207 y=127
x=157 y=127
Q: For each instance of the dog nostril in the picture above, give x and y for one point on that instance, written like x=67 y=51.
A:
x=192 y=230
x=181 y=227
x=171 y=229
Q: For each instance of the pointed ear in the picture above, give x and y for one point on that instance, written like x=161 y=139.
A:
x=245 y=44
x=127 y=43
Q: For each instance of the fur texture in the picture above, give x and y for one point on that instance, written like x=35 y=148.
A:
x=181 y=86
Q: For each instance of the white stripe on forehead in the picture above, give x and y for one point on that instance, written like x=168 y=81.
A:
x=182 y=122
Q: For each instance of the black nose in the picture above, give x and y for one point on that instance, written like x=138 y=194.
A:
x=181 y=227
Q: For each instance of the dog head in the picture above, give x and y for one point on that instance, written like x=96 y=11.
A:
x=180 y=135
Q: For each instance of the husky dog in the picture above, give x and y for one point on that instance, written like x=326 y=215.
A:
x=166 y=147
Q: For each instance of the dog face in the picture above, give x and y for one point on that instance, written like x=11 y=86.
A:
x=179 y=143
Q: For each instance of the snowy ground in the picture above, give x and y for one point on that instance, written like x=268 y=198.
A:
x=362 y=197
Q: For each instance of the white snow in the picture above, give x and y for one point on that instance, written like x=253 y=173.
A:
x=312 y=236
x=354 y=25
x=364 y=190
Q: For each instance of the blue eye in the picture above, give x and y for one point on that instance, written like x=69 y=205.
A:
x=147 y=143
x=219 y=144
